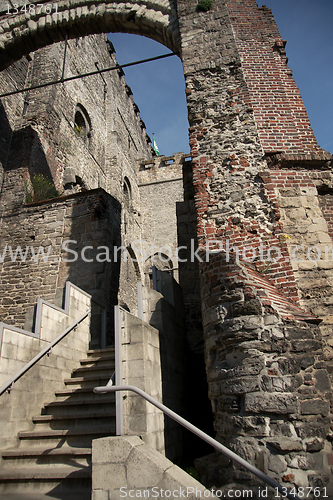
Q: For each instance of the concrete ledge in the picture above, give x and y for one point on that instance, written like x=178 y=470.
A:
x=124 y=466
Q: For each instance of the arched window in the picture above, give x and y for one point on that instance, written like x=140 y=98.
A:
x=82 y=122
x=127 y=193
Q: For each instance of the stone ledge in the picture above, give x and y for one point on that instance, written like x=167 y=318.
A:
x=145 y=469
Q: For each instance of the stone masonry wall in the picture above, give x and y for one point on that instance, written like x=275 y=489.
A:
x=306 y=232
x=268 y=382
x=245 y=118
x=74 y=156
x=141 y=367
x=126 y=465
x=100 y=151
x=161 y=187
x=91 y=219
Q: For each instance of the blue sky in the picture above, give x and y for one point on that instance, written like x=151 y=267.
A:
x=158 y=86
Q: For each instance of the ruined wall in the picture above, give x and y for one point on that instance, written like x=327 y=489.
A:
x=32 y=30
x=268 y=381
x=250 y=137
x=76 y=126
x=42 y=246
x=83 y=135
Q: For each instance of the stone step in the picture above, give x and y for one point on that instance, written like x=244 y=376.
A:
x=55 y=457
x=35 y=452
x=73 y=495
x=82 y=392
x=88 y=396
x=61 y=479
x=93 y=369
x=101 y=352
x=101 y=380
x=97 y=359
x=46 y=461
x=98 y=406
x=52 y=433
x=74 y=416
x=44 y=473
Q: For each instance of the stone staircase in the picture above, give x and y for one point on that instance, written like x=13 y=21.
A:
x=55 y=457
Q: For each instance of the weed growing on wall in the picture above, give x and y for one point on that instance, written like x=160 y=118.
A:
x=204 y=5
x=41 y=188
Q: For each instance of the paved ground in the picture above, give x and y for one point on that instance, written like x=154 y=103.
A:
x=40 y=496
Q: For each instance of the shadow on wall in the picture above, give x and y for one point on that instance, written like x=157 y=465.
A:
x=197 y=403
x=5 y=139
x=92 y=226
x=25 y=158
x=168 y=318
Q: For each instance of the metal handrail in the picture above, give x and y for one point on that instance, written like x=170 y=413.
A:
x=47 y=350
x=230 y=454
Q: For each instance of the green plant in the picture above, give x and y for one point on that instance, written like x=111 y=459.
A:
x=41 y=188
x=204 y=5
x=80 y=131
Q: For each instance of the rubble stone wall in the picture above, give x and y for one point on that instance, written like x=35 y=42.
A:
x=239 y=144
x=268 y=382
x=59 y=228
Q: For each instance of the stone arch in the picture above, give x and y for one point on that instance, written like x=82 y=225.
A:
x=21 y=34
x=161 y=261
x=127 y=193
x=133 y=258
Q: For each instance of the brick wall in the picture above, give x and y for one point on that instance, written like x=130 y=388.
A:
x=280 y=115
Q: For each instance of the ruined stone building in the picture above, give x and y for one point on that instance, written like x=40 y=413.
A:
x=246 y=322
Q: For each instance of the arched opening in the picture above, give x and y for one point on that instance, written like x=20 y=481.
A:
x=161 y=262
x=127 y=193
x=82 y=122
x=157 y=21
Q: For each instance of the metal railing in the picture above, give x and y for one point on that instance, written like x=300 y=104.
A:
x=230 y=454
x=46 y=351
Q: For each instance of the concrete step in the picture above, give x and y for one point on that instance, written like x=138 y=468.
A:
x=97 y=359
x=101 y=352
x=52 y=433
x=97 y=379
x=85 y=370
x=43 y=479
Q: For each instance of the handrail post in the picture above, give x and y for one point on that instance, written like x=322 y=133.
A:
x=118 y=371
